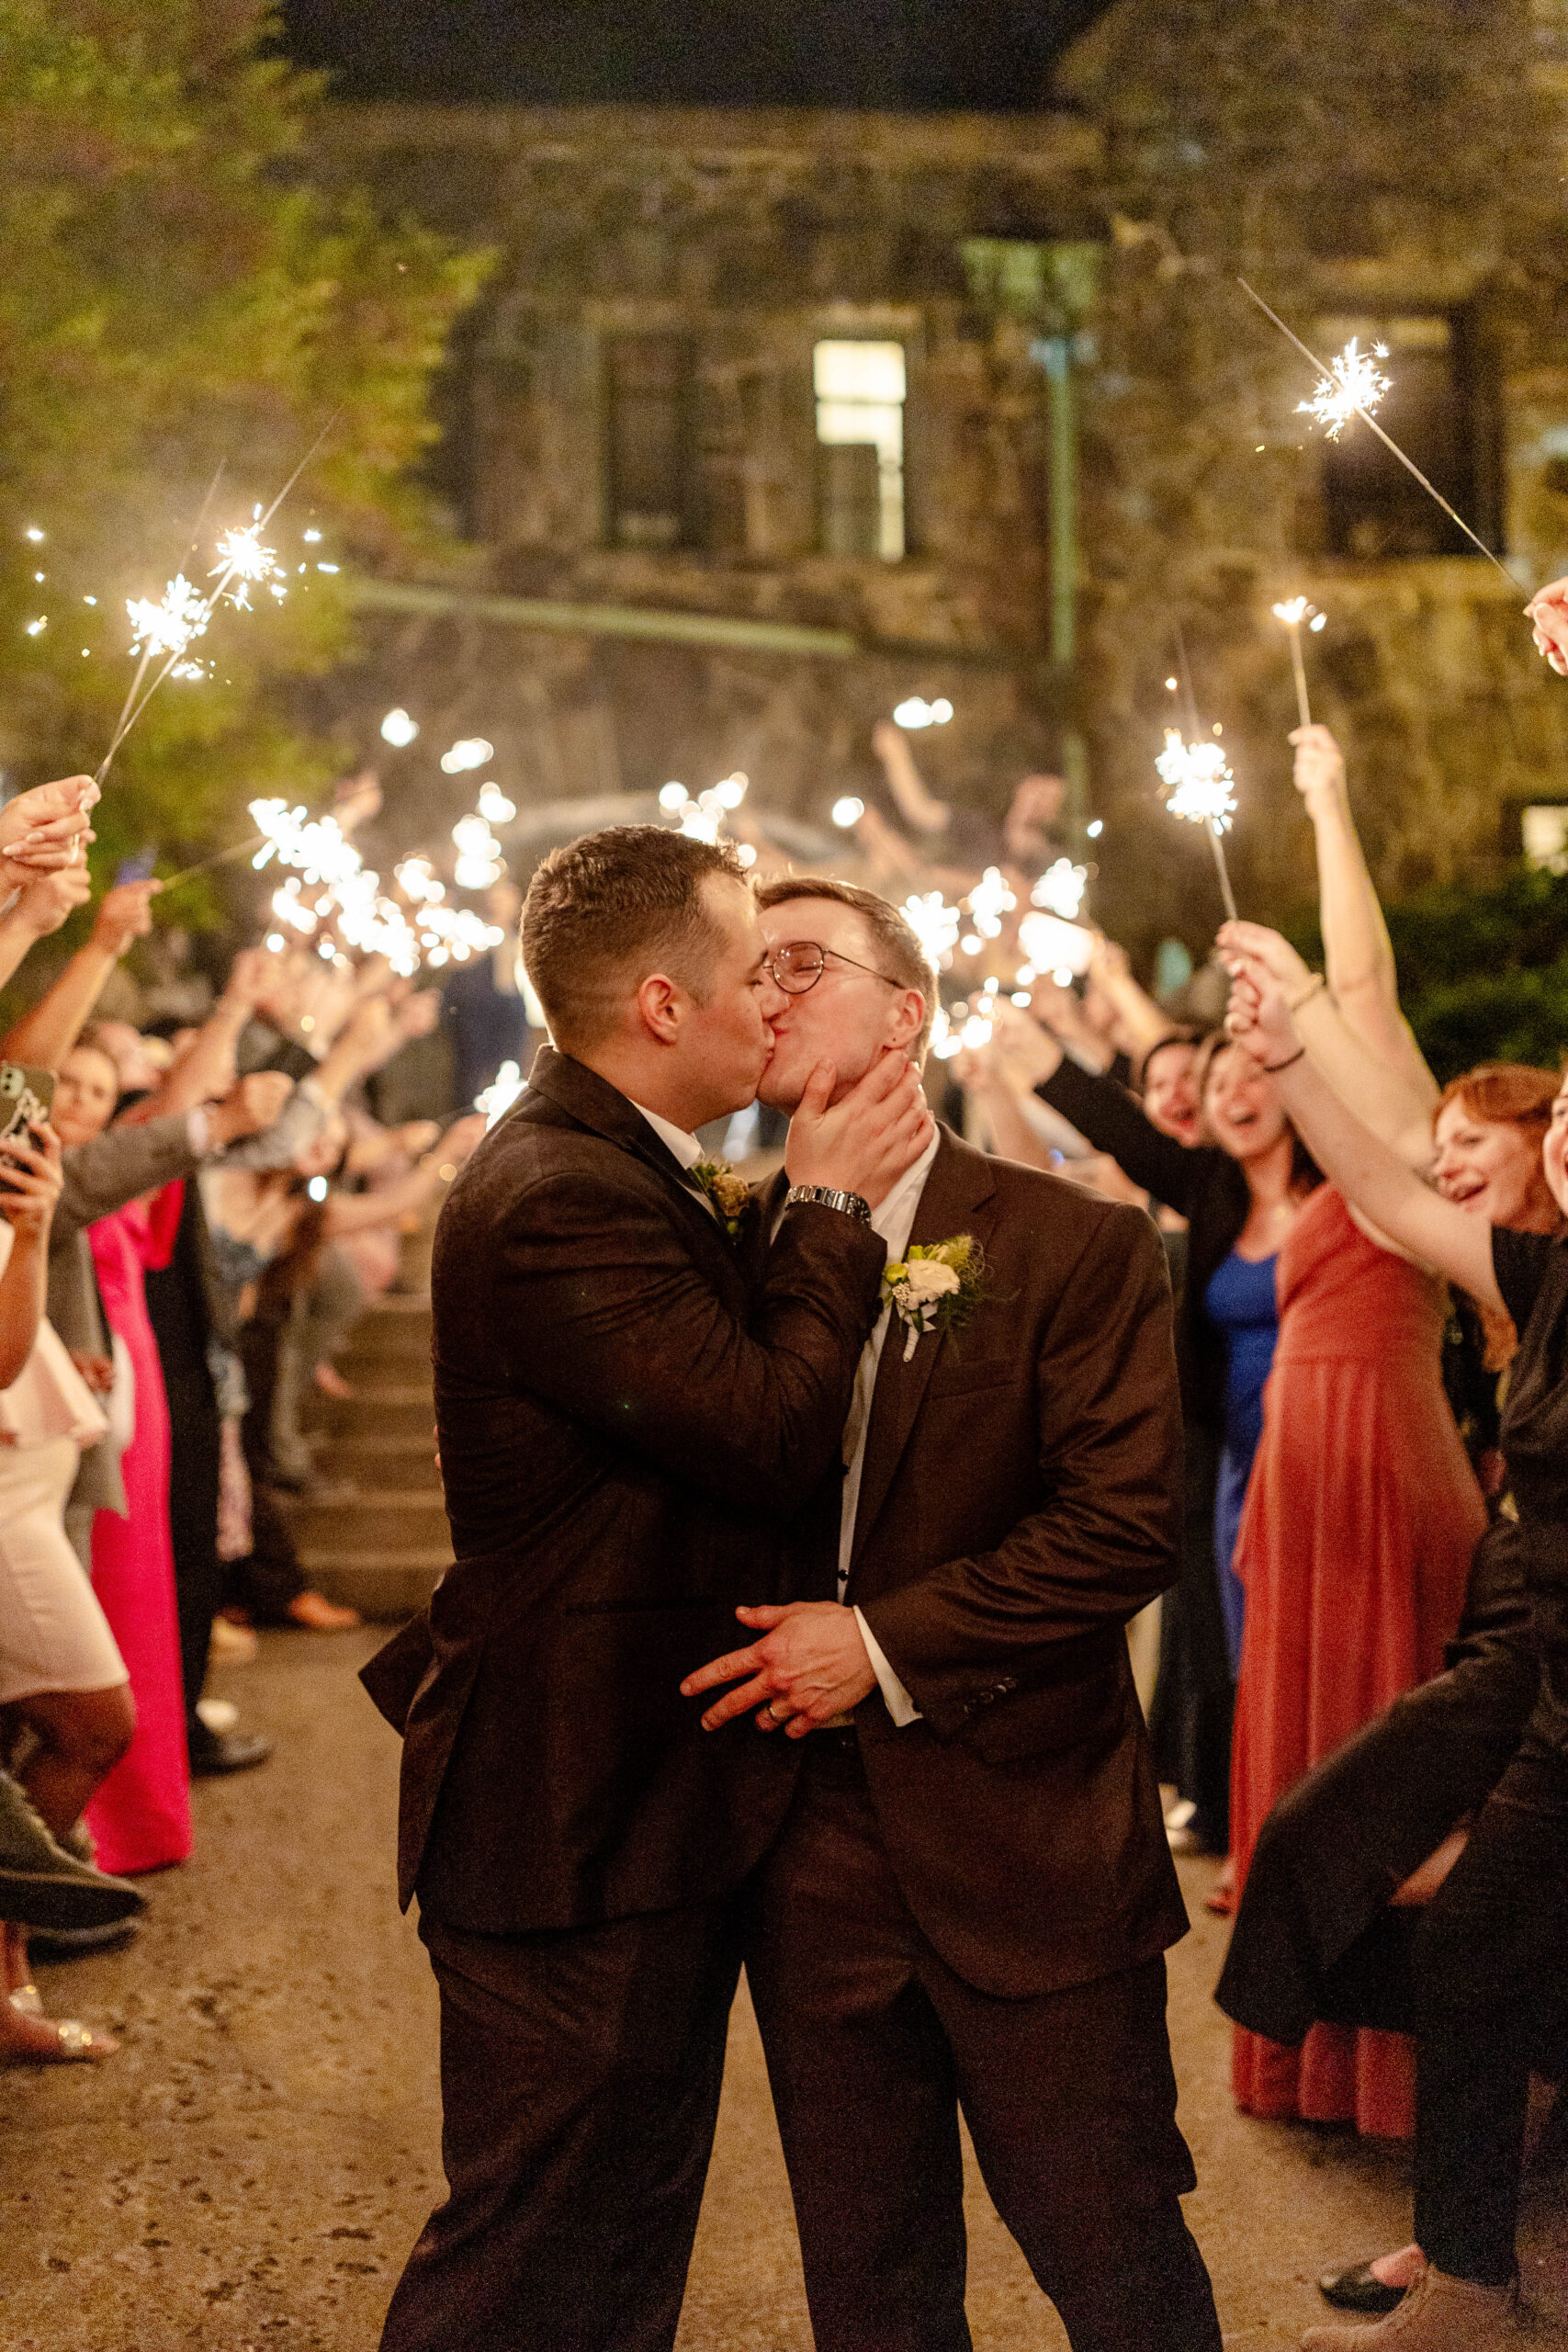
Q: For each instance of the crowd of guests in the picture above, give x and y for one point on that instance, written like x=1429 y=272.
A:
x=1358 y=1690
x=1359 y=1698
x=193 y=1216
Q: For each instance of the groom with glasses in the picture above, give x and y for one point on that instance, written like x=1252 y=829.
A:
x=968 y=1903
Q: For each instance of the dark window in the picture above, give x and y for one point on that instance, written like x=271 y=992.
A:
x=1373 y=506
x=647 y=385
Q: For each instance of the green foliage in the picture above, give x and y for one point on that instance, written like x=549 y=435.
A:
x=174 y=296
x=1482 y=973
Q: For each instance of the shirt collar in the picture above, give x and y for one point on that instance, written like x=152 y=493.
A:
x=685 y=1148
x=897 y=1211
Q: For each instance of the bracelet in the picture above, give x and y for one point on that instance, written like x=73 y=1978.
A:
x=1304 y=995
x=1272 y=1070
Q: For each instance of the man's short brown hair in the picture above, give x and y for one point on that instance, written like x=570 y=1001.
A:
x=898 y=953
x=604 y=911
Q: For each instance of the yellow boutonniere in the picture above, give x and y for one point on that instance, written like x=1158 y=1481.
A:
x=727 y=1190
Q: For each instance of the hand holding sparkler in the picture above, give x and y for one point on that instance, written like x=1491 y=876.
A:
x=45 y=829
x=50 y=902
x=1259 y=1015
x=124 y=913
x=1548 y=614
x=1319 y=771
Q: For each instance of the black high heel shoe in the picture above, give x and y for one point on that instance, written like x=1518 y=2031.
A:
x=1356 y=2290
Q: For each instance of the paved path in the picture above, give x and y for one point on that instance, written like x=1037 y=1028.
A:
x=249 y=2172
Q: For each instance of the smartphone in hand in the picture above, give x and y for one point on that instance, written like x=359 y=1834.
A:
x=27 y=1096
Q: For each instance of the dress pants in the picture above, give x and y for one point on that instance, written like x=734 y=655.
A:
x=873 y=2045
x=1491 y=1972
x=580 y=2081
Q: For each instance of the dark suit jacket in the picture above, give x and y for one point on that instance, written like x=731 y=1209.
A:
x=1020 y=1501
x=1338 y=1843
x=630 y=1408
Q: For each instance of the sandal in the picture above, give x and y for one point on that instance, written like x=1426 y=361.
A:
x=72 y=2041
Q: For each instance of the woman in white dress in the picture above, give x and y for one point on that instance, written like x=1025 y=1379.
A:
x=60 y=1674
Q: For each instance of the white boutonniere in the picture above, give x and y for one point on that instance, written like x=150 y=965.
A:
x=727 y=1190
x=936 y=1288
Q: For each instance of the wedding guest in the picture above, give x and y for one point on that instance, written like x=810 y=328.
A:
x=105 y=1235
x=62 y=1676
x=1489 y=1949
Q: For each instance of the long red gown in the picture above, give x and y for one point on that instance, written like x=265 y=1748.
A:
x=1354 y=1550
x=140 y=1817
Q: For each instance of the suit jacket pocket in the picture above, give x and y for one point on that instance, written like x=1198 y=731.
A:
x=1043 y=1723
x=956 y=1377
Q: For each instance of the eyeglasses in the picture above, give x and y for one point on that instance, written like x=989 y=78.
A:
x=801 y=964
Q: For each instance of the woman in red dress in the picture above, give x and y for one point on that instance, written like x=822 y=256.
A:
x=1354 y=1549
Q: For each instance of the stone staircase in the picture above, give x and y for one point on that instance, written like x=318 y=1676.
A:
x=383 y=1546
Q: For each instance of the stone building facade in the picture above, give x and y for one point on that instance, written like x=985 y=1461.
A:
x=769 y=420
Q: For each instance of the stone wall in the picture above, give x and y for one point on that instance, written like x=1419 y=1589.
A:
x=1353 y=158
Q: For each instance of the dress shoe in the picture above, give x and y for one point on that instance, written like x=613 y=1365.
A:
x=1356 y=2290
x=214 y=1752
x=1438 y=2314
x=42 y=1883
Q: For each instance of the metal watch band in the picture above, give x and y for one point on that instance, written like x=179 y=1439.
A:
x=851 y=1204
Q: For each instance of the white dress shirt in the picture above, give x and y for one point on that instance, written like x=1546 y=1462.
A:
x=686 y=1148
x=893 y=1221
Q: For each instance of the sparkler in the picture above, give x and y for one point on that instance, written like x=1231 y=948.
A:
x=1353 y=386
x=170 y=627
x=1344 y=391
x=1199 y=784
x=1293 y=615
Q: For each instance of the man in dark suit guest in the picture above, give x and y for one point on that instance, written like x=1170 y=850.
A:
x=634 y=1396
x=969 y=1902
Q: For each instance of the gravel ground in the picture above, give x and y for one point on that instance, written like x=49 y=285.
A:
x=248 y=2174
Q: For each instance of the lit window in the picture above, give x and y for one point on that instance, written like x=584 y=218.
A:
x=860 y=433
x=1545 y=828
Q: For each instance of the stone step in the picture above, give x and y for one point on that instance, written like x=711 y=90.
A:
x=395 y=1518
x=391 y=1340
x=382 y=1407
x=406 y=1462
x=387 y=1587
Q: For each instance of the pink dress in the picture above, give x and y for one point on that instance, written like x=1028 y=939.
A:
x=140 y=1817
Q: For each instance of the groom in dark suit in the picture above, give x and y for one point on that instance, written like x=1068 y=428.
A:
x=970 y=1899
x=634 y=1396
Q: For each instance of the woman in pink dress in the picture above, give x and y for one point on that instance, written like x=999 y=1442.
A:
x=140 y=1817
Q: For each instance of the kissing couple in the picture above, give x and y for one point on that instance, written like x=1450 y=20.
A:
x=797 y=1531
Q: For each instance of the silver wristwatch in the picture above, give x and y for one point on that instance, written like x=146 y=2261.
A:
x=825 y=1198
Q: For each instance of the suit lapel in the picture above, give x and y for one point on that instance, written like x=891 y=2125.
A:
x=959 y=1183
x=593 y=1102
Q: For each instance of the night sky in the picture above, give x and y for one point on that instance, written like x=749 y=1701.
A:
x=991 y=55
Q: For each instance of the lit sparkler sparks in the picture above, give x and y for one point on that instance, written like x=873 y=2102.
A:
x=169 y=626
x=1199 y=787
x=1349 y=378
x=241 y=556
x=1060 y=889
x=1352 y=385
x=936 y=925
